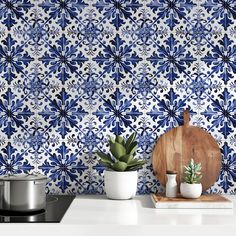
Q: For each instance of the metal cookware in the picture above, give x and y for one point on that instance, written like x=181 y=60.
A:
x=24 y=192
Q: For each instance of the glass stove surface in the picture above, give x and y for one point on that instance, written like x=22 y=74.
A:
x=56 y=207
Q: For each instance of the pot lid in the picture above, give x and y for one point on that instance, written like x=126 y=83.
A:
x=22 y=177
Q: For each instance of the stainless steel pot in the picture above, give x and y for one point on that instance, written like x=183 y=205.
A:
x=22 y=192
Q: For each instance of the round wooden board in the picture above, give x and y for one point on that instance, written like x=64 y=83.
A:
x=175 y=149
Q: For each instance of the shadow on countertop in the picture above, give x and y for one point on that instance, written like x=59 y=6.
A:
x=146 y=201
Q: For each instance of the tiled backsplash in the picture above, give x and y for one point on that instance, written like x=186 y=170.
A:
x=73 y=72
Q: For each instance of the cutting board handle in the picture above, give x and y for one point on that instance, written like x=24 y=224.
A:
x=186 y=117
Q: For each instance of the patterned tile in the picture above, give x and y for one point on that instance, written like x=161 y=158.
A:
x=73 y=72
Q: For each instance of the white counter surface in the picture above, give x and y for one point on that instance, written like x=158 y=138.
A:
x=96 y=215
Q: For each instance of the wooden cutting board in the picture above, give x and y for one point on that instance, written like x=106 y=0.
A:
x=204 y=201
x=175 y=149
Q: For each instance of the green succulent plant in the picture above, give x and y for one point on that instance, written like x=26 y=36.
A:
x=192 y=174
x=121 y=156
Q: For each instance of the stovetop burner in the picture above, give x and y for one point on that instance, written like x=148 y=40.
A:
x=56 y=207
x=20 y=213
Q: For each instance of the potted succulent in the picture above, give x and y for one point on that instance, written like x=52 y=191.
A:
x=120 y=177
x=192 y=188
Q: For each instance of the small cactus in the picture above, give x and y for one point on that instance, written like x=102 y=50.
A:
x=121 y=156
x=192 y=173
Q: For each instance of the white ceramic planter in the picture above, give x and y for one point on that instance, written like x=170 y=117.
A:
x=190 y=190
x=120 y=185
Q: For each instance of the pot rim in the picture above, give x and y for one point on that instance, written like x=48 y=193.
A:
x=191 y=184
x=23 y=177
x=113 y=171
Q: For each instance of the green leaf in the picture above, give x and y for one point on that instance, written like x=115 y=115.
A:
x=120 y=140
x=192 y=172
x=111 y=140
x=198 y=178
x=134 y=160
x=117 y=150
x=132 y=148
x=137 y=162
x=136 y=166
x=105 y=157
x=105 y=164
x=130 y=140
x=126 y=158
x=119 y=166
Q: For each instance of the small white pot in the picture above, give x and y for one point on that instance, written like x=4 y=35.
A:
x=120 y=185
x=190 y=190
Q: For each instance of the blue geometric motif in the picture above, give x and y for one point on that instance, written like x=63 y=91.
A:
x=73 y=72
x=13 y=58
x=222 y=58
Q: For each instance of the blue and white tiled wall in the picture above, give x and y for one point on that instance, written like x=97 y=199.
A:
x=73 y=72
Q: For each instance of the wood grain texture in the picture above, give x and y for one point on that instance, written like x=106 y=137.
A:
x=202 y=198
x=175 y=148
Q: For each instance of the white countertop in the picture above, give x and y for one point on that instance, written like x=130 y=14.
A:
x=96 y=215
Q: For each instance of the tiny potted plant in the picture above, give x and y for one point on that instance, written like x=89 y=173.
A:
x=192 y=188
x=120 y=177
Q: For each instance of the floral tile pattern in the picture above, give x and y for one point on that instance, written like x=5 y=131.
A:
x=73 y=72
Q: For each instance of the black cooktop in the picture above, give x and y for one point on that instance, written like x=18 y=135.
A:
x=56 y=208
